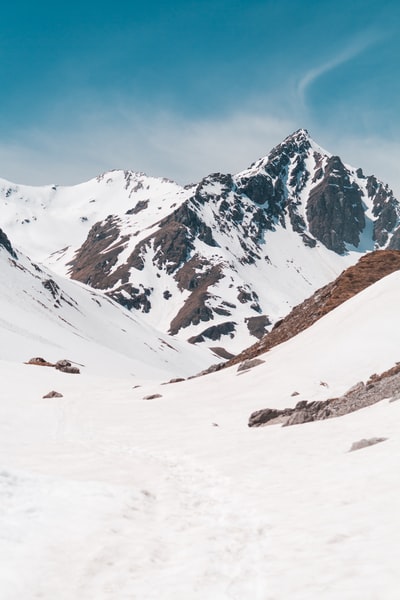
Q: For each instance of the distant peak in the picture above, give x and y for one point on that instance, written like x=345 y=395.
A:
x=300 y=140
x=298 y=137
x=299 y=134
x=297 y=142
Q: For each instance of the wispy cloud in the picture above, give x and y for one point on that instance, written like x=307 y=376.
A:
x=352 y=50
x=164 y=144
x=169 y=145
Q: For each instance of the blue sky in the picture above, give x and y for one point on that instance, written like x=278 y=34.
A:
x=183 y=88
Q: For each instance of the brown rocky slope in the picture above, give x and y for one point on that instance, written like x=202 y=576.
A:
x=369 y=269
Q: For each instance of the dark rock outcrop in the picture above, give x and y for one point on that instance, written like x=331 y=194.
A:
x=257 y=325
x=61 y=365
x=249 y=364
x=139 y=206
x=364 y=443
x=66 y=367
x=215 y=332
x=335 y=211
x=258 y=188
x=53 y=394
x=39 y=362
x=195 y=308
x=132 y=297
x=361 y=395
x=6 y=244
x=386 y=211
x=93 y=262
x=152 y=396
x=268 y=415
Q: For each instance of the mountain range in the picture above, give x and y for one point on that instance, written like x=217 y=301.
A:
x=216 y=263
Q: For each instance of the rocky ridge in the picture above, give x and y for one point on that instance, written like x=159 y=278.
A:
x=369 y=269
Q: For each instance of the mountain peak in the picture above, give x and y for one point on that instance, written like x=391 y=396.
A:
x=299 y=135
x=297 y=143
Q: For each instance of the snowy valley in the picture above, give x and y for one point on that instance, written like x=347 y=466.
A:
x=142 y=479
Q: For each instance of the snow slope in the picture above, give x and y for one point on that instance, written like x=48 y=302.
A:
x=42 y=314
x=45 y=219
x=109 y=496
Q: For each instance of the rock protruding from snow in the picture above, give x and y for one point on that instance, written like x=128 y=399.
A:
x=61 y=365
x=249 y=364
x=365 y=443
x=335 y=210
x=53 y=394
x=152 y=396
x=66 y=367
x=6 y=244
x=359 y=396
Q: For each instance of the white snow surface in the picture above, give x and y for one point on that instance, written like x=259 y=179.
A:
x=41 y=220
x=42 y=314
x=107 y=496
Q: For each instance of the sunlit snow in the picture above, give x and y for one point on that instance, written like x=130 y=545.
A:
x=106 y=495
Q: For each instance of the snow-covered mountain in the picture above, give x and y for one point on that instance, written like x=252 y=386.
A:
x=218 y=262
x=48 y=316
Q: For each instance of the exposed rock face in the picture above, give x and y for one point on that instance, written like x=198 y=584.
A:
x=270 y=416
x=66 y=367
x=370 y=269
x=140 y=205
x=364 y=443
x=394 y=243
x=93 y=262
x=6 y=244
x=196 y=308
x=215 y=332
x=335 y=210
x=152 y=396
x=53 y=394
x=249 y=364
x=259 y=188
x=39 y=362
x=359 y=396
x=61 y=365
x=215 y=239
x=257 y=325
x=385 y=210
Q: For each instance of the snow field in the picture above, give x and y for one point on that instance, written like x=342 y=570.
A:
x=106 y=495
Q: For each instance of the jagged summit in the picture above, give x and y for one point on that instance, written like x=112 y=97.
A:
x=217 y=262
x=300 y=136
x=297 y=143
